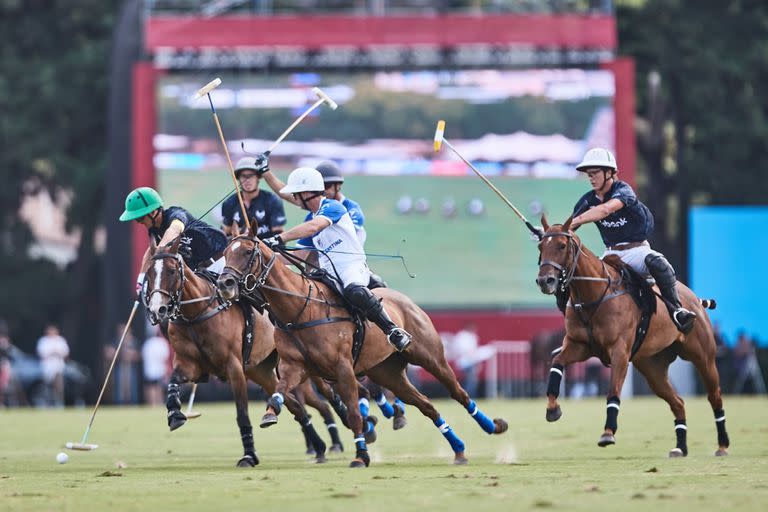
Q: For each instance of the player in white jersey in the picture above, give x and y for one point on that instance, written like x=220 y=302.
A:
x=328 y=228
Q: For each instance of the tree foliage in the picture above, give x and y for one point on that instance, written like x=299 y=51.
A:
x=53 y=95
x=702 y=125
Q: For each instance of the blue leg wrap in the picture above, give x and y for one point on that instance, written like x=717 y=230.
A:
x=386 y=409
x=484 y=421
x=364 y=407
x=360 y=443
x=456 y=444
x=400 y=404
x=276 y=401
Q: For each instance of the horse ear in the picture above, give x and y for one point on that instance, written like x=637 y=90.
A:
x=254 y=226
x=173 y=246
x=152 y=245
x=567 y=224
x=544 y=222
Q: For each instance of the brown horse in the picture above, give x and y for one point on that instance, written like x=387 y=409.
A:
x=315 y=337
x=207 y=336
x=601 y=320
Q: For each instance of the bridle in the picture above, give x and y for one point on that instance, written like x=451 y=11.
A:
x=174 y=298
x=246 y=279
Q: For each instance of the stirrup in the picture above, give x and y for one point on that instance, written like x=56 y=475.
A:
x=399 y=338
x=685 y=324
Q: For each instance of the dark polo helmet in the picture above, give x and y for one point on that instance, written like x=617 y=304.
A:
x=330 y=172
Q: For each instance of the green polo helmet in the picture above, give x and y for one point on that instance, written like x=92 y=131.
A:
x=140 y=202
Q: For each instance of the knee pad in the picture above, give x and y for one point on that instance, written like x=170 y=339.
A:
x=361 y=298
x=658 y=265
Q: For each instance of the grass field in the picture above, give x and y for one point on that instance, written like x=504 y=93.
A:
x=534 y=466
x=439 y=250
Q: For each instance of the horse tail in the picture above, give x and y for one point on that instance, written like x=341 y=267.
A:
x=708 y=303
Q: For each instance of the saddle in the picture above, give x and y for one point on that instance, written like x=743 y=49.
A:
x=356 y=317
x=641 y=290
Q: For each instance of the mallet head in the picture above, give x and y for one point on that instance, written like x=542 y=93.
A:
x=207 y=88
x=321 y=95
x=439 y=132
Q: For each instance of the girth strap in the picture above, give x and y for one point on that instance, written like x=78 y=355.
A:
x=313 y=323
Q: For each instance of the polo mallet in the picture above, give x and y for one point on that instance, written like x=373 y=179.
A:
x=190 y=414
x=440 y=140
x=83 y=445
x=321 y=98
x=206 y=91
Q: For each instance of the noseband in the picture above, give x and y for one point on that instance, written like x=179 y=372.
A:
x=566 y=274
x=174 y=299
x=246 y=279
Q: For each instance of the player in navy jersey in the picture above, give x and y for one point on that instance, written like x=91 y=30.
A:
x=262 y=205
x=203 y=245
x=329 y=229
x=625 y=224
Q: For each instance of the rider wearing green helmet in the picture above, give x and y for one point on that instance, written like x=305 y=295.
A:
x=203 y=244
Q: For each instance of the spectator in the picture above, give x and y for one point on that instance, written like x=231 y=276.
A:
x=5 y=362
x=467 y=355
x=126 y=372
x=747 y=367
x=155 y=353
x=53 y=350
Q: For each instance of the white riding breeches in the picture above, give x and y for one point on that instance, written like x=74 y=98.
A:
x=634 y=257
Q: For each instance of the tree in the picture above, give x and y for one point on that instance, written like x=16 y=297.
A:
x=53 y=93
x=701 y=70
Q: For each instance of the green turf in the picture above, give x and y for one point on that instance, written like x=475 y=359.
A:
x=443 y=253
x=534 y=466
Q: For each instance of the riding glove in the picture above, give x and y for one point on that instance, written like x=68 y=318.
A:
x=185 y=248
x=273 y=242
x=261 y=164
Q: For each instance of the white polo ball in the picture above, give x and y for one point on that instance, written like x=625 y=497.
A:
x=62 y=458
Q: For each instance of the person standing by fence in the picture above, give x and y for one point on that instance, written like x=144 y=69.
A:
x=53 y=350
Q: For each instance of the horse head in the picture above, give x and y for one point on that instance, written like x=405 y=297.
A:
x=164 y=282
x=559 y=250
x=243 y=257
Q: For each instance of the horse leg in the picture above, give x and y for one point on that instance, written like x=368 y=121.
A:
x=369 y=421
x=347 y=387
x=705 y=364
x=439 y=367
x=291 y=375
x=395 y=410
x=239 y=385
x=333 y=398
x=176 y=418
x=312 y=399
x=655 y=369
x=391 y=375
x=619 y=365
x=572 y=352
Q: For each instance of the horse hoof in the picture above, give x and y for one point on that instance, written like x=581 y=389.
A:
x=268 y=420
x=721 y=452
x=357 y=463
x=370 y=437
x=676 y=452
x=248 y=461
x=399 y=422
x=176 y=420
x=336 y=448
x=606 y=440
x=320 y=459
x=554 y=414
x=310 y=451
x=460 y=460
x=501 y=426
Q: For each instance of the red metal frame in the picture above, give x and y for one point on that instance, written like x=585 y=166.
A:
x=312 y=32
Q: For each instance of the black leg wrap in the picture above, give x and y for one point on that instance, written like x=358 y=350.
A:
x=340 y=408
x=722 y=434
x=333 y=430
x=555 y=376
x=173 y=401
x=681 y=431
x=246 y=435
x=310 y=433
x=612 y=414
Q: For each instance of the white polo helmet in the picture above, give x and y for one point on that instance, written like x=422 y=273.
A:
x=304 y=179
x=598 y=157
